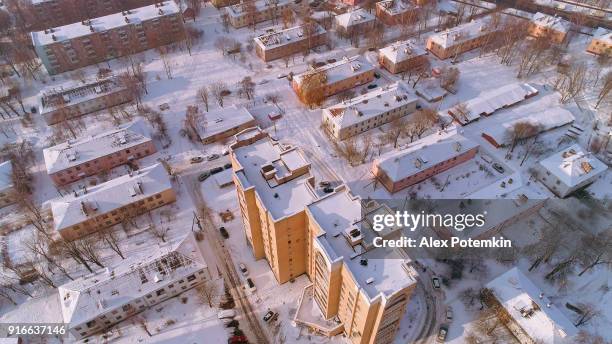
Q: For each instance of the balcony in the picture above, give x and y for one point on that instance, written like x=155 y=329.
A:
x=309 y=314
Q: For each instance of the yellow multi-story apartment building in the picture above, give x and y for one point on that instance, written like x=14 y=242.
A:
x=601 y=44
x=552 y=27
x=359 y=289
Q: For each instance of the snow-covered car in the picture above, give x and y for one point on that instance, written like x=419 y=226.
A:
x=442 y=333
x=449 y=314
x=212 y=157
x=269 y=314
x=196 y=159
x=216 y=170
x=226 y=313
x=203 y=176
x=227 y=166
x=280 y=76
x=225 y=151
x=497 y=167
x=435 y=282
x=243 y=269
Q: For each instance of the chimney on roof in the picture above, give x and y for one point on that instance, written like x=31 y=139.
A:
x=160 y=12
x=91 y=28
x=127 y=20
x=53 y=38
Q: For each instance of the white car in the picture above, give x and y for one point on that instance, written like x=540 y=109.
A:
x=243 y=269
x=449 y=314
x=226 y=314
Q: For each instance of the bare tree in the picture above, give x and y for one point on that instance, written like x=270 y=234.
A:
x=207 y=291
x=247 y=87
x=572 y=82
x=166 y=60
x=597 y=250
x=312 y=87
x=225 y=21
x=288 y=17
x=589 y=311
x=203 y=94
x=39 y=246
x=218 y=90
x=520 y=131
x=159 y=232
x=397 y=127
x=534 y=55
x=110 y=237
x=89 y=248
x=449 y=77
x=605 y=89
x=73 y=250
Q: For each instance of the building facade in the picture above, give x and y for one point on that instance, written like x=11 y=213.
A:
x=98 y=301
x=402 y=56
x=465 y=37
x=7 y=190
x=277 y=44
x=74 y=160
x=601 y=44
x=96 y=40
x=44 y=14
x=59 y=104
x=110 y=203
x=368 y=111
x=552 y=27
x=224 y=3
x=287 y=221
x=253 y=12
x=396 y=12
x=427 y=158
x=339 y=76
x=356 y=21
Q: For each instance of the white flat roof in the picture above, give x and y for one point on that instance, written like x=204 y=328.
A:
x=276 y=38
x=71 y=93
x=283 y=199
x=423 y=154
x=72 y=153
x=238 y=10
x=6 y=175
x=222 y=120
x=461 y=33
x=103 y=291
x=551 y=22
x=355 y=17
x=573 y=165
x=385 y=271
x=510 y=187
x=112 y=21
x=402 y=51
x=369 y=105
x=109 y=196
x=539 y=320
x=341 y=69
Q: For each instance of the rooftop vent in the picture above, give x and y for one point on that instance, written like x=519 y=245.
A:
x=363 y=262
x=353 y=236
x=457 y=146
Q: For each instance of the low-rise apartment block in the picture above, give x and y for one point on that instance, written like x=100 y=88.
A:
x=368 y=111
x=299 y=230
x=277 y=44
x=224 y=3
x=396 y=12
x=74 y=160
x=7 y=190
x=340 y=75
x=100 y=300
x=553 y=27
x=423 y=159
x=253 y=12
x=44 y=14
x=402 y=56
x=569 y=170
x=109 y=203
x=73 y=100
x=223 y=123
x=358 y=21
x=92 y=41
x=528 y=312
x=462 y=38
x=601 y=44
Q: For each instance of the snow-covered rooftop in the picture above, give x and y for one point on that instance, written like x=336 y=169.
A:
x=340 y=70
x=395 y=7
x=573 y=165
x=274 y=39
x=402 y=51
x=461 y=33
x=424 y=154
x=544 y=120
x=111 y=195
x=603 y=35
x=340 y=213
x=369 y=105
x=488 y=102
x=239 y=10
x=510 y=187
x=72 y=93
x=531 y=309
x=355 y=17
x=222 y=120
x=101 y=24
x=6 y=175
x=551 y=22
x=72 y=153
x=281 y=163
x=103 y=291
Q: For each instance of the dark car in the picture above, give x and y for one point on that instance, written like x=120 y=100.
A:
x=377 y=76
x=216 y=170
x=372 y=86
x=227 y=166
x=442 y=333
x=268 y=316
x=435 y=282
x=497 y=167
x=237 y=340
x=224 y=232
x=196 y=159
x=202 y=177
x=328 y=189
x=233 y=323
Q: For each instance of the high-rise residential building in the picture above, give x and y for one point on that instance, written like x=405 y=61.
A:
x=95 y=40
x=300 y=229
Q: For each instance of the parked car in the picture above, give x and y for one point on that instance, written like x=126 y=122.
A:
x=250 y=285
x=372 y=86
x=243 y=269
x=497 y=167
x=324 y=183
x=225 y=151
x=202 y=177
x=280 y=76
x=268 y=316
x=212 y=157
x=215 y=170
x=226 y=313
x=196 y=159
x=328 y=189
x=233 y=323
x=227 y=166
x=273 y=116
x=436 y=282
x=237 y=340
x=224 y=232
x=377 y=76
x=442 y=333
x=449 y=314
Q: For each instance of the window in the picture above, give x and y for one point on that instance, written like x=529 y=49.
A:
x=190 y=278
x=160 y=292
x=91 y=324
